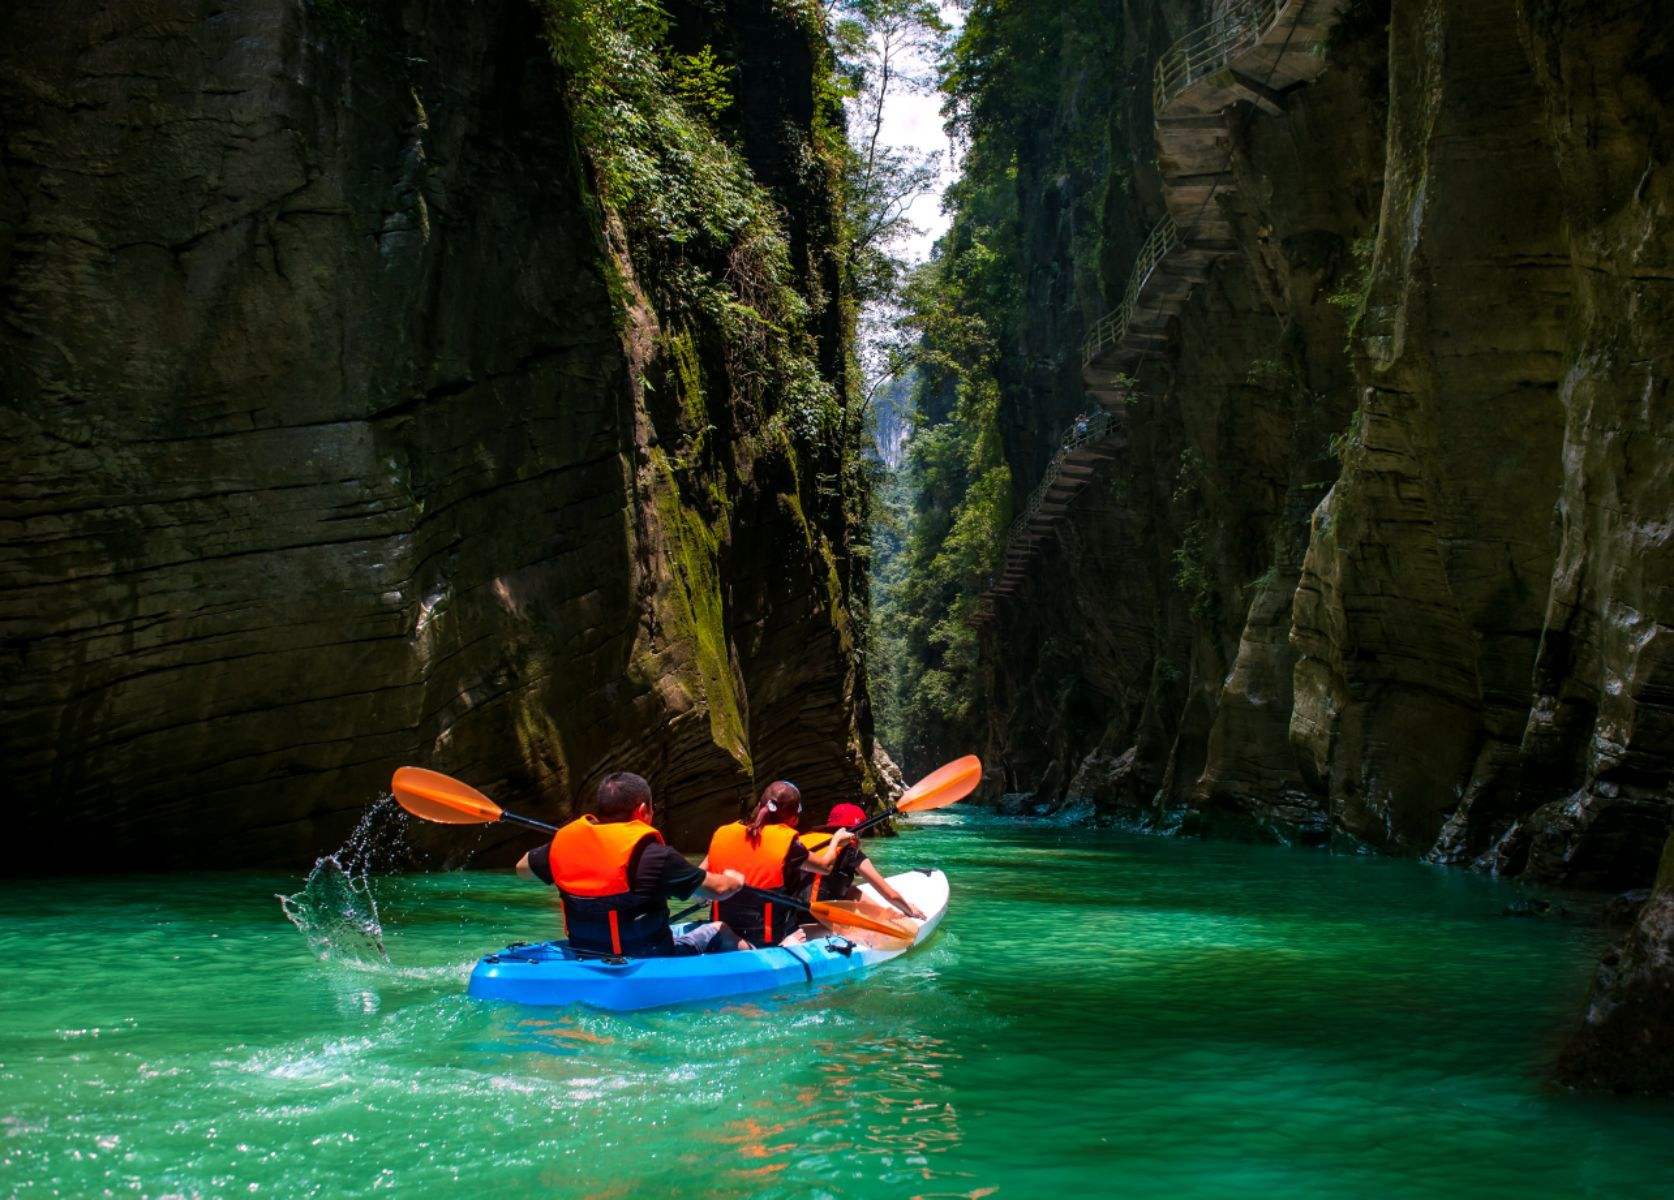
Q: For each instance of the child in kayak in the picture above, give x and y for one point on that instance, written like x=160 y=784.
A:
x=614 y=875
x=839 y=882
x=766 y=850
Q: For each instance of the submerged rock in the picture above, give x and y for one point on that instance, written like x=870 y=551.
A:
x=1537 y=908
x=1622 y=911
x=1626 y=1039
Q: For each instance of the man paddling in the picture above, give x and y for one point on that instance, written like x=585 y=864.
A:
x=838 y=882
x=614 y=874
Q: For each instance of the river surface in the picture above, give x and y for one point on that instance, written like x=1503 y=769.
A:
x=1101 y=1014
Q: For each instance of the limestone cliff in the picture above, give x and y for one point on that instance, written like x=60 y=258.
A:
x=346 y=428
x=1382 y=550
x=1381 y=554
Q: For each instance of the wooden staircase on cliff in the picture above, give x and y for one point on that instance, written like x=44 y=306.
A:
x=1251 y=52
x=1090 y=440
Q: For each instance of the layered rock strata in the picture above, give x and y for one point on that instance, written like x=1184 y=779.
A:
x=340 y=437
x=1385 y=557
x=1406 y=590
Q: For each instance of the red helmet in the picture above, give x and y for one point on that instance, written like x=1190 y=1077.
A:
x=845 y=816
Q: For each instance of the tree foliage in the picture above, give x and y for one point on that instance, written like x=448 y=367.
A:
x=708 y=241
x=1018 y=102
x=953 y=498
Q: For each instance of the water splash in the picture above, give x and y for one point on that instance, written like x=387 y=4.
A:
x=335 y=910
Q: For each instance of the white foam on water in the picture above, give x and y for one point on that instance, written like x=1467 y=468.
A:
x=335 y=910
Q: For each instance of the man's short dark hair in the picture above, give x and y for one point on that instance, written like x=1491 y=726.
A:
x=620 y=795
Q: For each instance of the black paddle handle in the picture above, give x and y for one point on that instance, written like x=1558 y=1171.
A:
x=778 y=898
x=887 y=814
x=527 y=822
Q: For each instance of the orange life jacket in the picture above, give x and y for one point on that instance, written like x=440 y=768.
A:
x=763 y=866
x=835 y=883
x=590 y=861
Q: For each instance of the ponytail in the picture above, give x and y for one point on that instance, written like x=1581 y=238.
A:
x=779 y=800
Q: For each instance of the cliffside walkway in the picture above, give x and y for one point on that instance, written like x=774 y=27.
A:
x=1253 y=52
x=1089 y=441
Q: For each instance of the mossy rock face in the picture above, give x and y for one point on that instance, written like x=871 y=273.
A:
x=1428 y=581
x=695 y=610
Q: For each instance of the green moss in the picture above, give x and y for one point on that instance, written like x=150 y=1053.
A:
x=688 y=378
x=1340 y=444
x=1192 y=574
x=679 y=370
x=696 y=609
x=1354 y=286
x=540 y=743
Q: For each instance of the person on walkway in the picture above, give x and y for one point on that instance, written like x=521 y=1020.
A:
x=766 y=850
x=839 y=882
x=614 y=875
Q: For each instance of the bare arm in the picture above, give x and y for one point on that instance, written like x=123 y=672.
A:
x=820 y=862
x=524 y=870
x=718 y=885
x=873 y=877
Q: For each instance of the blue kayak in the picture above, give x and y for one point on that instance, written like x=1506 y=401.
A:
x=550 y=973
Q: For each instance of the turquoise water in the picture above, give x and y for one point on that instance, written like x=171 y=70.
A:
x=1101 y=1014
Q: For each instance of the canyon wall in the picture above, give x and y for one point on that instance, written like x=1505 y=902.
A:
x=1383 y=555
x=344 y=431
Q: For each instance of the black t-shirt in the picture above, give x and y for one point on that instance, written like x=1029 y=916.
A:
x=795 y=857
x=656 y=871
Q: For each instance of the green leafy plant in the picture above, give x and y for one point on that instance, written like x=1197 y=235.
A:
x=1354 y=285
x=707 y=241
x=703 y=83
x=1351 y=438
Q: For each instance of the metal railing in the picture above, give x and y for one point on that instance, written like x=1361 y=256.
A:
x=1113 y=326
x=1237 y=27
x=1093 y=428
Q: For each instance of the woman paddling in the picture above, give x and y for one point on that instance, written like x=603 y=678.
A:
x=838 y=883
x=766 y=850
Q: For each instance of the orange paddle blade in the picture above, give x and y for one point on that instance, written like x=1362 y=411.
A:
x=438 y=797
x=943 y=786
x=837 y=913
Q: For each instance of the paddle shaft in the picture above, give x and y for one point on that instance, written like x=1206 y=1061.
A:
x=887 y=814
x=778 y=898
x=527 y=822
x=760 y=893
